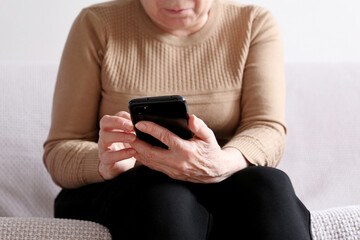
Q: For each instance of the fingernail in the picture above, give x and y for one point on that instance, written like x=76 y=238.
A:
x=140 y=126
x=128 y=127
x=131 y=137
x=195 y=128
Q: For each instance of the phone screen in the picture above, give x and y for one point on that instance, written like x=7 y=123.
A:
x=167 y=111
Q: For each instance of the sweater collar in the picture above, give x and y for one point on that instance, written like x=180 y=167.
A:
x=147 y=26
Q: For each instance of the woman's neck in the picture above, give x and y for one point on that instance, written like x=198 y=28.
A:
x=183 y=32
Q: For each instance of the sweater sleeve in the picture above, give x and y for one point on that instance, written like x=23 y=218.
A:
x=70 y=151
x=260 y=136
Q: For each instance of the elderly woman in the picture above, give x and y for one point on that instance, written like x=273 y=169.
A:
x=226 y=60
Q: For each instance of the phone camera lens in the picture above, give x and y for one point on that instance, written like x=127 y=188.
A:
x=141 y=110
x=145 y=109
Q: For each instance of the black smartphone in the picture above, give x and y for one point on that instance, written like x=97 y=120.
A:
x=170 y=112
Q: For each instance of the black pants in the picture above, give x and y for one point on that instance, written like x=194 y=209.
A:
x=255 y=203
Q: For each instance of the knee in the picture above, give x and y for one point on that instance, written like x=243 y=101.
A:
x=265 y=179
x=155 y=188
x=148 y=180
x=167 y=208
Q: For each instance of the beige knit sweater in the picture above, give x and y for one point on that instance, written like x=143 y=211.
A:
x=230 y=72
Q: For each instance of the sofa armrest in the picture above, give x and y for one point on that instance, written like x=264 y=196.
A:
x=51 y=228
x=336 y=224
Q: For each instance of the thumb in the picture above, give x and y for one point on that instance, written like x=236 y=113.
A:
x=200 y=129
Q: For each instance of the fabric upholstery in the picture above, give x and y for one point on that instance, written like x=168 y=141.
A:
x=322 y=153
x=337 y=223
x=25 y=105
x=331 y=224
x=51 y=229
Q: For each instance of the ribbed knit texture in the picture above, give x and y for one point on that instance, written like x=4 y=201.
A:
x=230 y=72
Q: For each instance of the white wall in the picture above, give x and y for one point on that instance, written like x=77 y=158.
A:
x=316 y=31
x=36 y=30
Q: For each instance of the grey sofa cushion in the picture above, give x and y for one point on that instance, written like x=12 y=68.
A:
x=337 y=223
x=26 y=189
x=322 y=153
x=331 y=224
x=51 y=229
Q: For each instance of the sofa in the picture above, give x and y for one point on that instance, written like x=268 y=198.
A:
x=322 y=155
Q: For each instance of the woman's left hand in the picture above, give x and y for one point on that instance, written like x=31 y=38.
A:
x=199 y=160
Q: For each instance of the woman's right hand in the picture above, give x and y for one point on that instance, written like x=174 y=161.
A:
x=115 y=153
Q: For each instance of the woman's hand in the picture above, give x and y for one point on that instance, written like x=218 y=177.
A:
x=199 y=160
x=115 y=153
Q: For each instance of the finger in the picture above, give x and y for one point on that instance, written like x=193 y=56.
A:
x=111 y=157
x=110 y=123
x=171 y=171
x=164 y=135
x=200 y=129
x=123 y=114
x=158 y=159
x=154 y=163
x=108 y=138
x=147 y=151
